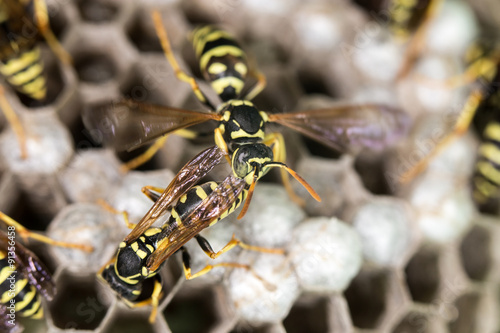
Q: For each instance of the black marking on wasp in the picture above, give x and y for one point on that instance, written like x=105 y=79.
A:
x=483 y=59
x=24 y=279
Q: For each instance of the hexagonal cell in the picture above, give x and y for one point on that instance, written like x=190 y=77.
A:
x=308 y=315
x=141 y=34
x=96 y=68
x=467 y=308
x=423 y=276
x=371 y=169
x=97 y=11
x=77 y=304
x=193 y=303
x=129 y=323
x=475 y=253
x=367 y=297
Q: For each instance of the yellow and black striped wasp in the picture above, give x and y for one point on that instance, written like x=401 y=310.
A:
x=22 y=22
x=24 y=279
x=133 y=273
x=240 y=136
x=483 y=59
x=406 y=20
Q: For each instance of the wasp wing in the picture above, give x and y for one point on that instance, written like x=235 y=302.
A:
x=189 y=175
x=28 y=264
x=128 y=124
x=224 y=197
x=348 y=128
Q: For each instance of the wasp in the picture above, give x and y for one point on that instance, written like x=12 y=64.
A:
x=406 y=20
x=240 y=136
x=483 y=69
x=133 y=273
x=21 y=23
x=24 y=279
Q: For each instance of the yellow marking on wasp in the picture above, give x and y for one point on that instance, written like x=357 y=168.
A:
x=484 y=187
x=228 y=81
x=174 y=214
x=491 y=152
x=39 y=314
x=17 y=64
x=5 y=273
x=136 y=292
x=210 y=37
x=492 y=131
x=219 y=51
x=142 y=238
x=213 y=185
x=35 y=88
x=226 y=116
x=242 y=134
x=183 y=199
x=152 y=231
x=217 y=68
x=141 y=254
x=238 y=102
x=134 y=246
x=26 y=76
x=8 y=295
x=122 y=245
x=150 y=248
x=145 y=271
x=264 y=116
x=241 y=68
x=2 y=255
x=201 y=193
x=26 y=300
x=128 y=279
x=489 y=172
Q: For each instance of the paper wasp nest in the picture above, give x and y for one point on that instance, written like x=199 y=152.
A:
x=413 y=258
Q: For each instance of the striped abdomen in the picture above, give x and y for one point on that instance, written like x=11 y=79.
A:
x=26 y=297
x=486 y=181
x=222 y=61
x=25 y=73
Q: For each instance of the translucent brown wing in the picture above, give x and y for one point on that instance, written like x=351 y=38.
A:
x=128 y=124
x=348 y=128
x=18 y=33
x=30 y=267
x=189 y=175
x=211 y=208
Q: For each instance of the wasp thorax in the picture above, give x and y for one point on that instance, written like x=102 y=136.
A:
x=243 y=123
x=248 y=158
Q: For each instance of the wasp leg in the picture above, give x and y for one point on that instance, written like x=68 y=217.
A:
x=112 y=210
x=221 y=143
x=42 y=20
x=155 y=300
x=416 y=43
x=207 y=248
x=277 y=143
x=15 y=122
x=151 y=151
x=258 y=87
x=179 y=73
x=25 y=234
x=461 y=126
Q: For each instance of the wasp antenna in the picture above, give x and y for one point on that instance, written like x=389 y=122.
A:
x=249 y=197
x=301 y=180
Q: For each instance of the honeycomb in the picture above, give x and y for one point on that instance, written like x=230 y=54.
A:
x=374 y=256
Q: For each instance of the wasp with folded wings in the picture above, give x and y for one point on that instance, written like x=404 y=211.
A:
x=24 y=279
x=240 y=136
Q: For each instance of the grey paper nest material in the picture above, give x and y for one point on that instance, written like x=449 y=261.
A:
x=362 y=260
